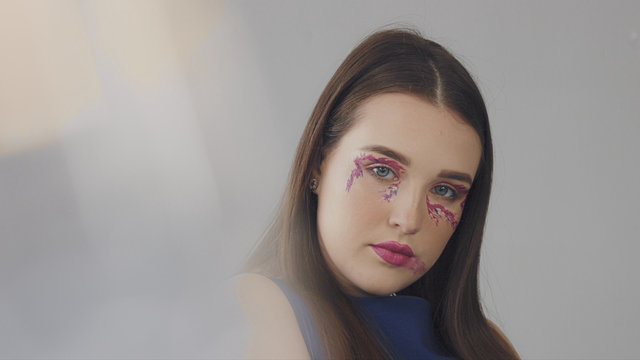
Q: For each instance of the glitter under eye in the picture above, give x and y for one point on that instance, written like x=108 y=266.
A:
x=437 y=212
x=357 y=171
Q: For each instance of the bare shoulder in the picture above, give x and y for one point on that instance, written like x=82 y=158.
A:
x=273 y=328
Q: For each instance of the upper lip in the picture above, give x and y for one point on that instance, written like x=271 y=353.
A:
x=396 y=247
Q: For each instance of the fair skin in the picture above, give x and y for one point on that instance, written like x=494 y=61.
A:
x=410 y=196
x=273 y=329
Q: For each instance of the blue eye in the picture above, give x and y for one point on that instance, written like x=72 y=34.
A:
x=383 y=172
x=444 y=191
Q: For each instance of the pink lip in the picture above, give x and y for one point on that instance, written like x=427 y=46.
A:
x=394 y=253
x=395 y=247
x=398 y=254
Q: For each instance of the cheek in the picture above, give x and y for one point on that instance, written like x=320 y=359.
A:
x=443 y=219
x=343 y=216
x=365 y=204
x=375 y=189
x=432 y=250
x=439 y=213
x=434 y=241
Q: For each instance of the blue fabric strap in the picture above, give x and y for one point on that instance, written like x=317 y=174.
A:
x=305 y=321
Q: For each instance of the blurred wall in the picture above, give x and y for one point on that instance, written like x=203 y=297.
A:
x=144 y=146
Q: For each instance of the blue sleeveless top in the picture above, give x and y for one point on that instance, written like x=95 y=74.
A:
x=404 y=323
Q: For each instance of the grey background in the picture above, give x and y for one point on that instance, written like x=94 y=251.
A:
x=116 y=237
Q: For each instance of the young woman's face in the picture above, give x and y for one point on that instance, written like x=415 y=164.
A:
x=392 y=191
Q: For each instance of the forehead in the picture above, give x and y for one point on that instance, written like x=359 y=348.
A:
x=430 y=136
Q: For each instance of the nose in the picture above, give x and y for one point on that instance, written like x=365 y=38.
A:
x=408 y=211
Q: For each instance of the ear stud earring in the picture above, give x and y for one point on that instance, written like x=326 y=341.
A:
x=314 y=184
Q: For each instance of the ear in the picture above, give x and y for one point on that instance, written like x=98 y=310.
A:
x=315 y=174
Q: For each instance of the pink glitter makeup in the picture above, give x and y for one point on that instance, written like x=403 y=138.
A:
x=461 y=189
x=416 y=266
x=391 y=191
x=464 y=191
x=436 y=211
x=357 y=172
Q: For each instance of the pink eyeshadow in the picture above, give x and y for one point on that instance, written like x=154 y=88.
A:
x=436 y=211
x=464 y=191
x=461 y=189
x=357 y=172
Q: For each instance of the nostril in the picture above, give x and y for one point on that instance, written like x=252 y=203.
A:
x=407 y=225
x=407 y=215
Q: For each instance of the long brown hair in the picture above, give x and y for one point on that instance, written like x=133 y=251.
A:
x=396 y=60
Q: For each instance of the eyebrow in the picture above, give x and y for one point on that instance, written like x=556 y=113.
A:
x=388 y=152
x=447 y=174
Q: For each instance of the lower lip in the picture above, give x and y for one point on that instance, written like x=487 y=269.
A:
x=391 y=257
x=396 y=259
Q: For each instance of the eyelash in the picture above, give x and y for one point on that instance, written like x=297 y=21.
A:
x=451 y=198
x=380 y=178
x=455 y=194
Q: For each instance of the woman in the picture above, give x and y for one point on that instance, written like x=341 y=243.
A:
x=396 y=148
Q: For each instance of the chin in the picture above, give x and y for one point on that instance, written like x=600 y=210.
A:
x=379 y=292
x=378 y=288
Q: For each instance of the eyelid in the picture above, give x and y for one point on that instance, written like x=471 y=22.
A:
x=378 y=165
x=458 y=191
x=461 y=189
x=384 y=161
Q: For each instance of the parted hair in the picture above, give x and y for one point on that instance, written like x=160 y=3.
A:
x=387 y=61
